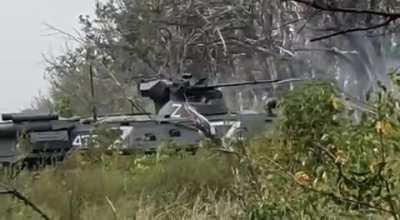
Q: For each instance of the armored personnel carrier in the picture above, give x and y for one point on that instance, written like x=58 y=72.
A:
x=187 y=111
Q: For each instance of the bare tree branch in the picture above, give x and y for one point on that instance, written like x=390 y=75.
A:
x=15 y=193
x=223 y=41
x=62 y=32
x=351 y=30
x=316 y=5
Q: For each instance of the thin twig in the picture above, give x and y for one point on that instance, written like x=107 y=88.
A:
x=324 y=193
x=351 y=30
x=62 y=32
x=112 y=206
x=390 y=201
x=316 y=5
x=222 y=40
x=15 y=193
x=341 y=198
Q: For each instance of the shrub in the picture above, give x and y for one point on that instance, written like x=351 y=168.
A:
x=333 y=166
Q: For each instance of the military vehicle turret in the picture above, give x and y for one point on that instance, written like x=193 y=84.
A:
x=207 y=99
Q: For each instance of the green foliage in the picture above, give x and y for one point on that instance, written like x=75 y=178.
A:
x=63 y=106
x=334 y=166
x=309 y=114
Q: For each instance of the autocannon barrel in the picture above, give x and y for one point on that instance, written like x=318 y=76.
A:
x=29 y=117
x=245 y=83
x=11 y=129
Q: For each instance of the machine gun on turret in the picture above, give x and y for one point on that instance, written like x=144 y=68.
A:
x=167 y=95
x=31 y=137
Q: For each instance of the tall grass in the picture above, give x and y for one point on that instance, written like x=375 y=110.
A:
x=141 y=187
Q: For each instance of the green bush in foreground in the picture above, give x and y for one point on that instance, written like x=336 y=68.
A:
x=317 y=164
x=327 y=166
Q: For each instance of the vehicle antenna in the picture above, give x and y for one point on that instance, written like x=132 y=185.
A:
x=92 y=91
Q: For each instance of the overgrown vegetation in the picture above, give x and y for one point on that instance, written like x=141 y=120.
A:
x=319 y=163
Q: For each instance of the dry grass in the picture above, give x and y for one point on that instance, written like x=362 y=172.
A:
x=137 y=187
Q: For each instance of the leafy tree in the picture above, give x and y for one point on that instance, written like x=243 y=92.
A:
x=127 y=40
